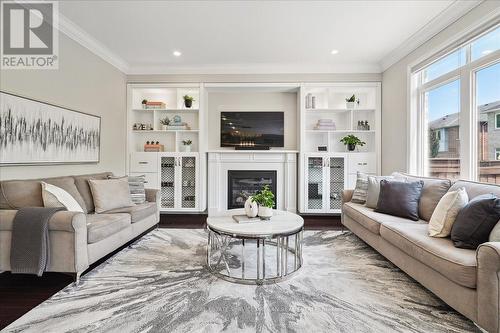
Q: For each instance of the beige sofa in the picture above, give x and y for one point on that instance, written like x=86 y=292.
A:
x=467 y=280
x=76 y=239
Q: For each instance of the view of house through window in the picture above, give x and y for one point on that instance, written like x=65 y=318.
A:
x=443 y=124
x=488 y=109
x=469 y=73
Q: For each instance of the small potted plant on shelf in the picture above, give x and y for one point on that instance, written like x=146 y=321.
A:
x=351 y=102
x=164 y=123
x=265 y=199
x=187 y=145
x=144 y=103
x=351 y=141
x=188 y=101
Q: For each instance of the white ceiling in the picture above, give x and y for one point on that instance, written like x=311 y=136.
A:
x=253 y=36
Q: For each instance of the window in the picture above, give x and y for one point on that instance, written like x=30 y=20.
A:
x=455 y=112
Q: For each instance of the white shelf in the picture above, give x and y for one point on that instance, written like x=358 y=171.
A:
x=337 y=110
x=168 y=110
x=163 y=131
x=340 y=131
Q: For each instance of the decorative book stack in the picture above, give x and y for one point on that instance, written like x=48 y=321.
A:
x=153 y=148
x=155 y=105
x=325 y=125
x=245 y=219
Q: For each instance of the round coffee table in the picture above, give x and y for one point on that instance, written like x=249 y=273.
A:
x=254 y=253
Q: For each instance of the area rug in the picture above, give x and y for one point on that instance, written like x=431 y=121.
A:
x=160 y=284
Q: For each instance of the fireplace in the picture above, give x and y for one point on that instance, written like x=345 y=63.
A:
x=244 y=183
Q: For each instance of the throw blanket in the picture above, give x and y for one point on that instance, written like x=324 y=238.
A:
x=29 y=252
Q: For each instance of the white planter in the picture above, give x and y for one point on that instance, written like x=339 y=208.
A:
x=265 y=213
x=350 y=105
x=187 y=148
x=164 y=127
x=251 y=208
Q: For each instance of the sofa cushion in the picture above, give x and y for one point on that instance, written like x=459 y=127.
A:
x=137 y=212
x=458 y=265
x=359 y=194
x=370 y=219
x=373 y=191
x=101 y=226
x=474 y=188
x=28 y=193
x=83 y=187
x=432 y=192
x=110 y=194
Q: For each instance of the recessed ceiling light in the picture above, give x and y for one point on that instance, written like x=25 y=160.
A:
x=334 y=51
x=177 y=53
x=485 y=52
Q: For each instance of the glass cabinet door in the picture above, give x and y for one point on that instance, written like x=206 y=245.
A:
x=336 y=171
x=315 y=183
x=167 y=182
x=188 y=182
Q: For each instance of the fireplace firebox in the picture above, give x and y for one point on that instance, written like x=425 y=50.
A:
x=244 y=183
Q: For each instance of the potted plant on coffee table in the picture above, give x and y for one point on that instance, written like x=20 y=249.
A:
x=188 y=101
x=187 y=145
x=352 y=141
x=265 y=199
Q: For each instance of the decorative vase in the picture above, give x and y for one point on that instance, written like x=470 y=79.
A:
x=188 y=103
x=187 y=148
x=351 y=147
x=251 y=208
x=350 y=105
x=164 y=127
x=265 y=213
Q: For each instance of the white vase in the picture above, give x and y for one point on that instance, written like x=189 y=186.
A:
x=265 y=213
x=164 y=127
x=350 y=105
x=251 y=208
x=187 y=148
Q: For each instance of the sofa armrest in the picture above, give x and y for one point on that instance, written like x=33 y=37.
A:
x=152 y=195
x=488 y=286
x=347 y=195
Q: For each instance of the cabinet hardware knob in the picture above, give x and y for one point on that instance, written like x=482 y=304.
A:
x=143 y=162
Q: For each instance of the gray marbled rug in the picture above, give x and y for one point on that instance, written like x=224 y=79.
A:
x=159 y=284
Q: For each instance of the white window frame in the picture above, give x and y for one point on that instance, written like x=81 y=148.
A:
x=468 y=132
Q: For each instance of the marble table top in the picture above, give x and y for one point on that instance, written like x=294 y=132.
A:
x=281 y=223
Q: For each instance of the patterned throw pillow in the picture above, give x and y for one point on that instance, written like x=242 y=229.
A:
x=359 y=194
x=136 y=186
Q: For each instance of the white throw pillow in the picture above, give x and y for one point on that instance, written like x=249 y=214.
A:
x=54 y=196
x=373 y=190
x=446 y=212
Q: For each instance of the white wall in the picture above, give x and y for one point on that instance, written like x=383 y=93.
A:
x=395 y=89
x=245 y=101
x=83 y=82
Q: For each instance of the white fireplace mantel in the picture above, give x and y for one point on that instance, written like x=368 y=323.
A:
x=283 y=162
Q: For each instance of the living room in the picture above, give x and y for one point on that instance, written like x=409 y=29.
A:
x=267 y=166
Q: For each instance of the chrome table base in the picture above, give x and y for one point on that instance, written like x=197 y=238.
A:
x=283 y=258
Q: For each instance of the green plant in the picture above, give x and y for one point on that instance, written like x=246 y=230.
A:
x=433 y=143
x=188 y=98
x=351 y=99
x=352 y=140
x=187 y=142
x=144 y=101
x=264 y=197
x=165 y=121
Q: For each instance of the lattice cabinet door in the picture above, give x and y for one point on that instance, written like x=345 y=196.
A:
x=168 y=166
x=336 y=171
x=315 y=183
x=189 y=181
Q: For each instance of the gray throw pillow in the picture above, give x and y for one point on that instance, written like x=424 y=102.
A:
x=359 y=194
x=475 y=221
x=400 y=198
x=373 y=190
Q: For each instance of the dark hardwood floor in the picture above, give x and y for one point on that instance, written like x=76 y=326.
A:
x=20 y=293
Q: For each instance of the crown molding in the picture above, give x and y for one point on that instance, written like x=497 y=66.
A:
x=75 y=32
x=440 y=22
x=257 y=69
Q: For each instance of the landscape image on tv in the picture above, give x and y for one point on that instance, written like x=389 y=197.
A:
x=252 y=129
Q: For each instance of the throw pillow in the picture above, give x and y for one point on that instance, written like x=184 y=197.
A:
x=374 y=190
x=359 y=194
x=54 y=196
x=495 y=233
x=136 y=186
x=399 y=198
x=110 y=194
x=446 y=212
x=475 y=221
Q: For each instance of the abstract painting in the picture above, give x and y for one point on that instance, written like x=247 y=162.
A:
x=33 y=132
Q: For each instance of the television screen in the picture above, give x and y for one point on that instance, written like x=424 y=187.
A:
x=252 y=129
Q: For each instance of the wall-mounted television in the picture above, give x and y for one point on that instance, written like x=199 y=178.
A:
x=249 y=130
